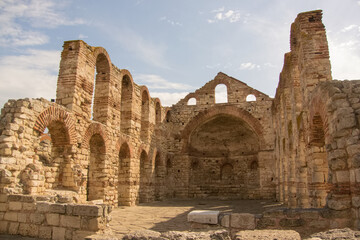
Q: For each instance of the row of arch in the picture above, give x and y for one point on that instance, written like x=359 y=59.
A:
x=100 y=95
x=96 y=141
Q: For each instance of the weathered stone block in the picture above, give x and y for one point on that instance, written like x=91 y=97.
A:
x=4 y=226
x=37 y=218
x=264 y=223
x=342 y=176
x=22 y=217
x=92 y=224
x=353 y=149
x=53 y=219
x=29 y=206
x=15 y=206
x=225 y=220
x=43 y=207
x=355 y=201
x=339 y=203
x=15 y=198
x=285 y=222
x=26 y=229
x=13 y=228
x=242 y=220
x=45 y=232
x=57 y=208
x=87 y=210
x=309 y=214
x=70 y=221
x=322 y=223
x=11 y=216
x=3 y=198
x=203 y=216
x=58 y=233
x=3 y=207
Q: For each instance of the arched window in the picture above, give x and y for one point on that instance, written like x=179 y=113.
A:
x=145 y=168
x=100 y=89
x=227 y=172
x=157 y=113
x=168 y=116
x=159 y=176
x=318 y=165
x=221 y=94
x=191 y=101
x=123 y=175
x=126 y=100
x=144 y=116
x=95 y=189
x=250 y=98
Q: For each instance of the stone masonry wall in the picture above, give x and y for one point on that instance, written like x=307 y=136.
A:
x=316 y=126
x=206 y=154
x=41 y=217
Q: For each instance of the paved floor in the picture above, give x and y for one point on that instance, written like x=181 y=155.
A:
x=169 y=215
x=172 y=215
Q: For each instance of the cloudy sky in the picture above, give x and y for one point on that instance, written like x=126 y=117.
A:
x=173 y=47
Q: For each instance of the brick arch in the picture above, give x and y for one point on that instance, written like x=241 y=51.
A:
x=142 y=89
x=218 y=81
x=189 y=96
x=126 y=72
x=143 y=147
x=217 y=110
x=95 y=128
x=101 y=50
x=158 y=114
x=54 y=113
x=318 y=108
x=155 y=152
x=120 y=142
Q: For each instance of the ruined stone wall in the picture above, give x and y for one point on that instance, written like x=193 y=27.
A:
x=221 y=149
x=316 y=125
x=100 y=126
x=42 y=217
x=106 y=140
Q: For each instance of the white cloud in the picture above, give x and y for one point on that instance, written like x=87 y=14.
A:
x=171 y=22
x=153 y=81
x=349 y=28
x=345 y=58
x=249 y=66
x=167 y=98
x=231 y=16
x=218 y=10
x=33 y=75
x=37 y=14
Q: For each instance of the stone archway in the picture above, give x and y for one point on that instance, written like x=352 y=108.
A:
x=222 y=151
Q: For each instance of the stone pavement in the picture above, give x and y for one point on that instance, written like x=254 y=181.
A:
x=172 y=215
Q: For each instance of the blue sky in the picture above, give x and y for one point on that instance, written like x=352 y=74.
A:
x=173 y=47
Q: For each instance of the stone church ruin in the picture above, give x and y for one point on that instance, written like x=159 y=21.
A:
x=105 y=142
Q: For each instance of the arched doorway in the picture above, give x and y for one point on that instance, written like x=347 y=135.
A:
x=159 y=177
x=145 y=168
x=95 y=188
x=223 y=153
x=123 y=175
x=318 y=168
